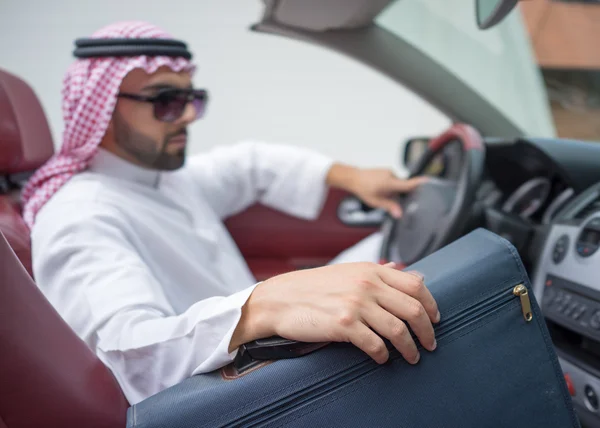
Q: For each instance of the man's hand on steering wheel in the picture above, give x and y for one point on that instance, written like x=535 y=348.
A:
x=437 y=212
x=378 y=188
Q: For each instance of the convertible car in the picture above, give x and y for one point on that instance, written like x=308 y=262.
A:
x=542 y=194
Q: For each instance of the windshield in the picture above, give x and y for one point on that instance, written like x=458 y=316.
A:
x=540 y=66
x=499 y=63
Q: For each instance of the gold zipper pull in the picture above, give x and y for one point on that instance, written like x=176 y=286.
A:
x=521 y=291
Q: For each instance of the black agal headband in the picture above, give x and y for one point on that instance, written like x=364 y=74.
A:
x=95 y=48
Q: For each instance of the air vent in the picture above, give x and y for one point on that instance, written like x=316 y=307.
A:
x=589 y=208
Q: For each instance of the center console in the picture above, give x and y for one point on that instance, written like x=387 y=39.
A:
x=567 y=286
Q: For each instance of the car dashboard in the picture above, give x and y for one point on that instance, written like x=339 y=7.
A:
x=553 y=188
x=522 y=180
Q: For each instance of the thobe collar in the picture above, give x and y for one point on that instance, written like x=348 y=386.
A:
x=107 y=163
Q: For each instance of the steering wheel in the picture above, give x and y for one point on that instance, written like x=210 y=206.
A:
x=436 y=213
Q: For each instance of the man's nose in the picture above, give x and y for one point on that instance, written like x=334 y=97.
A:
x=189 y=114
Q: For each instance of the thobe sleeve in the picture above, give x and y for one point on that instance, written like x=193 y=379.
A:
x=91 y=272
x=288 y=178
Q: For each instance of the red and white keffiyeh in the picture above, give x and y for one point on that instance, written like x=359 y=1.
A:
x=90 y=89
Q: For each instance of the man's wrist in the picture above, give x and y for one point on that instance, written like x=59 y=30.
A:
x=343 y=177
x=253 y=324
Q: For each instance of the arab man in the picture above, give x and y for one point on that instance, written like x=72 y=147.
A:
x=128 y=238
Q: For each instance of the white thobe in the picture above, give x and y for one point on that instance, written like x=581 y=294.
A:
x=140 y=265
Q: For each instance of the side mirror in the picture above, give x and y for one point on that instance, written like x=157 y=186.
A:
x=414 y=149
x=491 y=12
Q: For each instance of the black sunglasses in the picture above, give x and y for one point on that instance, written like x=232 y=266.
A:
x=169 y=104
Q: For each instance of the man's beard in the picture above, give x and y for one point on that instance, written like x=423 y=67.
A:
x=145 y=150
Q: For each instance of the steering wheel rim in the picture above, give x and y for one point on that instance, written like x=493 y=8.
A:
x=433 y=193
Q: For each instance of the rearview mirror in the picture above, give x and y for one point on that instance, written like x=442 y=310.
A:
x=491 y=12
x=414 y=149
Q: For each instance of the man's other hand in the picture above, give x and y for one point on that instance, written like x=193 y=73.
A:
x=354 y=302
x=375 y=187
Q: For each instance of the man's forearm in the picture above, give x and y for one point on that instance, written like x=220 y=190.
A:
x=343 y=177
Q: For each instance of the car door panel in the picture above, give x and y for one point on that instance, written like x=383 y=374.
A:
x=273 y=242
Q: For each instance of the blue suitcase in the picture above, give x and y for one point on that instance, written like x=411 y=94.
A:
x=494 y=365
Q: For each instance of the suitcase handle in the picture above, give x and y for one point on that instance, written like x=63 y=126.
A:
x=272 y=348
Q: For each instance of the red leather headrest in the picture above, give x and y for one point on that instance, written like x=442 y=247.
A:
x=25 y=138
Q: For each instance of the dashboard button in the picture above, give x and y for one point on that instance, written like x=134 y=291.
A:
x=564 y=304
x=586 y=250
x=588 y=240
x=595 y=321
x=571 y=309
x=591 y=398
x=559 y=297
x=579 y=312
x=549 y=296
x=560 y=249
x=570 y=385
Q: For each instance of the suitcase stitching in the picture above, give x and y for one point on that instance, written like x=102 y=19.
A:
x=287 y=387
x=455 y=310
x=367 y=369
x=351 y=390
x=370 y=371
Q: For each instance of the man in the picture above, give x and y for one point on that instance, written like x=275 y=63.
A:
x=129 y=245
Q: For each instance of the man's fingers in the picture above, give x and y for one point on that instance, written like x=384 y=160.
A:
x=412 y=311
x=364 y=338
x=417 y=274
x=407 y=186
x=393 y=208
x=398 y=186
x=392 y=328
x=413 y=285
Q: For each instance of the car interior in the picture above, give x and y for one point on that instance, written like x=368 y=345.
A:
x=543 y=195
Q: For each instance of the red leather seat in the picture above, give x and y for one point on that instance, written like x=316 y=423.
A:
x=48 y=376
x=25 y=144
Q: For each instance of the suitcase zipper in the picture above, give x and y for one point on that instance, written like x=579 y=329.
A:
x=521 y=291
x=456 y=322
x=496 y=301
